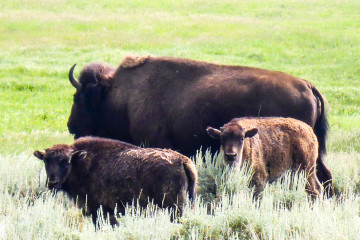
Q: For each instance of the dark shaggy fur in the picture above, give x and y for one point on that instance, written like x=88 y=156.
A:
x=109 y=173
x=271 y=146
x=168 y=102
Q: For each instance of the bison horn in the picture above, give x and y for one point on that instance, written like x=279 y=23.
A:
x=73 y=80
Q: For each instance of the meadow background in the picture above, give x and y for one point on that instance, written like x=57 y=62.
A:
x=41 y=39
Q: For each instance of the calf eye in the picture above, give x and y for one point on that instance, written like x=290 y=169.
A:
x=65 y=162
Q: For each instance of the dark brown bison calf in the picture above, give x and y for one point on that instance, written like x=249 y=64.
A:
x=109 y=173
x=271 y=146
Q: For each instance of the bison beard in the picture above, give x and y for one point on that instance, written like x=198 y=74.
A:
x=168 y=102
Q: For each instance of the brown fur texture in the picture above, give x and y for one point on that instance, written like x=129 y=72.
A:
x=271 y=146
x=168 y=102
x=114 y=173
x=131 y=61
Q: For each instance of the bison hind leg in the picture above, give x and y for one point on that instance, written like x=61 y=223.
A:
x=325 y=177
x=313 y=186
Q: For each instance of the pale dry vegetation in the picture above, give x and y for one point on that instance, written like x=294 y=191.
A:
x=224 y=207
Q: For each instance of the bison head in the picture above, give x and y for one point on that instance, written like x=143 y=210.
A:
x=58 y=161
x=232 y=141
x=90 y=90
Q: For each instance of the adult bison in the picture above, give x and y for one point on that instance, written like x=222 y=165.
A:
x=168 y=102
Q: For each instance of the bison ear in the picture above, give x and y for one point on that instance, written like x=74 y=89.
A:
x=39 y=155
x=250 y=133
x=103 y=80
x=78 y=155
x=214 y=133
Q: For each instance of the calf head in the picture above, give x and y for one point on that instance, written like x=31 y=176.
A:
x=232 y=138
x=58 y=162
x=91 y=87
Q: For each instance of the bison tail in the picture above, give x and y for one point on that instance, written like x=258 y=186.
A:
x=191 y=174
x=321 y=129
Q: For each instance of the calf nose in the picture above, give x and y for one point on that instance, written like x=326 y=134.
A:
x=51 y=183
x=230 y=156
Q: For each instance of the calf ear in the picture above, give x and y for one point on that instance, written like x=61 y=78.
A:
x=214 y=133
x=76 y=160
x=39 y=155
x=78 y=155
x=250 y=133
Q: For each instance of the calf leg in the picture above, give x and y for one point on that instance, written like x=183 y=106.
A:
x=113 y=221
x=313 y=185
x=175 y=201
x=94 y=217
x=107 y=214
x=258 y=181
x=306 y=156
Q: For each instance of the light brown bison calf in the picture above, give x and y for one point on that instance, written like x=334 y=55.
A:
x=109 y=173
x=271 y=146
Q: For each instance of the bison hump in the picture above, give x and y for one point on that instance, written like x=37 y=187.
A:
x=131 y=61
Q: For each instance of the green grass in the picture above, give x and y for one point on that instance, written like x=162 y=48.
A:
x=40 y=40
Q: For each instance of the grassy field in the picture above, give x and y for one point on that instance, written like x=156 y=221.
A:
x=41 y=39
